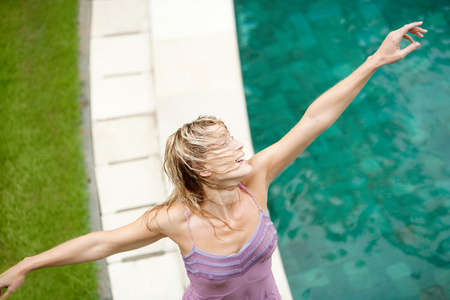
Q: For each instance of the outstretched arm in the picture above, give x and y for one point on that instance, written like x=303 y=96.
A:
x=324 y=111
x=90 y=247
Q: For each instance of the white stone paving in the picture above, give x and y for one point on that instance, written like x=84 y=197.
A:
x=196 y=64
x=155 y=65
x=120 y=55
x=114 y=17
x=178 y=19
x=121 y=96
x=130 y=185
x=123 y=139
x=149 y=278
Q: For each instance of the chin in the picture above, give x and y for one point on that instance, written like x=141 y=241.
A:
x=236 y=176
x=248 y=169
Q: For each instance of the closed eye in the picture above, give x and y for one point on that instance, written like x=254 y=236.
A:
x=226 y=143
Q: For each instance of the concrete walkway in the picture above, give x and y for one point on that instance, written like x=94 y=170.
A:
x=155 y=65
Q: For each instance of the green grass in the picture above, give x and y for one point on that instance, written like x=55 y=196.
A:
x=43 y=198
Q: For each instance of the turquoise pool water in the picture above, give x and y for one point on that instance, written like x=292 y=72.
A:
x=363 y=213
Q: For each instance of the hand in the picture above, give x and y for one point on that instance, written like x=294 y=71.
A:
x=390 y=52
x=11 y=280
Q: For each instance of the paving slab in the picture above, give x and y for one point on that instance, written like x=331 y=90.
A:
x=196 y=64
x=175 y=19
x=152 y=278
x=115 y=97
x=109 y=17
x=130 y=185
x=120 y=55
x=124 y=139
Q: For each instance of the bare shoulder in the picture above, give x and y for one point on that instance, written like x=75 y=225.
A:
x=171 y=222
x=166 y=219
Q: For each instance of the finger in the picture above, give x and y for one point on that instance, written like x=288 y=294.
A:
x=410 y=48
x=408 y=38
x=5 y=295
x=408 y=27
x=421 y=29
x=418 y=31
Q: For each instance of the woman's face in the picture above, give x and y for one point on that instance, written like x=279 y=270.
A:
x=226 y=162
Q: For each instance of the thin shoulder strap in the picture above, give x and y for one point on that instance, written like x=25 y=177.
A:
x=248 y=192
x=189 y=228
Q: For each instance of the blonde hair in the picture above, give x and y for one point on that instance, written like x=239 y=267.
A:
x=184 y=160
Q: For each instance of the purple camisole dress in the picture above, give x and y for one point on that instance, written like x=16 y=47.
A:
x=240 y=276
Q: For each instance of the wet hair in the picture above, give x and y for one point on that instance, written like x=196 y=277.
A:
x=186 y=156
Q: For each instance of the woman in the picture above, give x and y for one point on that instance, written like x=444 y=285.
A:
x=217 y=214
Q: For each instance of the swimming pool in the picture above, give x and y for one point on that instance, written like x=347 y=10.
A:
x=363 y=213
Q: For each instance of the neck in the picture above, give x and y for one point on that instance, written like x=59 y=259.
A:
x=222 y=202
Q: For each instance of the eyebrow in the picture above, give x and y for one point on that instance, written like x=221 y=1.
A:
x=230 y=137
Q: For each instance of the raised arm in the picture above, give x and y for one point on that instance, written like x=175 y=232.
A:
x=324 y=111
x=90 y=247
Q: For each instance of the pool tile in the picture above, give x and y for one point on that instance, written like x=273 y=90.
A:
x=370 y=11
x=401 y=189
x=342 y=70
x=313 y=278
x=407 y=287
x=361 y=282
x=435 y=292
x=398 y=271
x=324 y=12
x=357 y=267
x=441 y=276
x=370 y=166
x=307 y=38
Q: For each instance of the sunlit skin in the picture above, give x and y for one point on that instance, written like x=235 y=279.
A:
x=230 y=204
x=227 y=166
